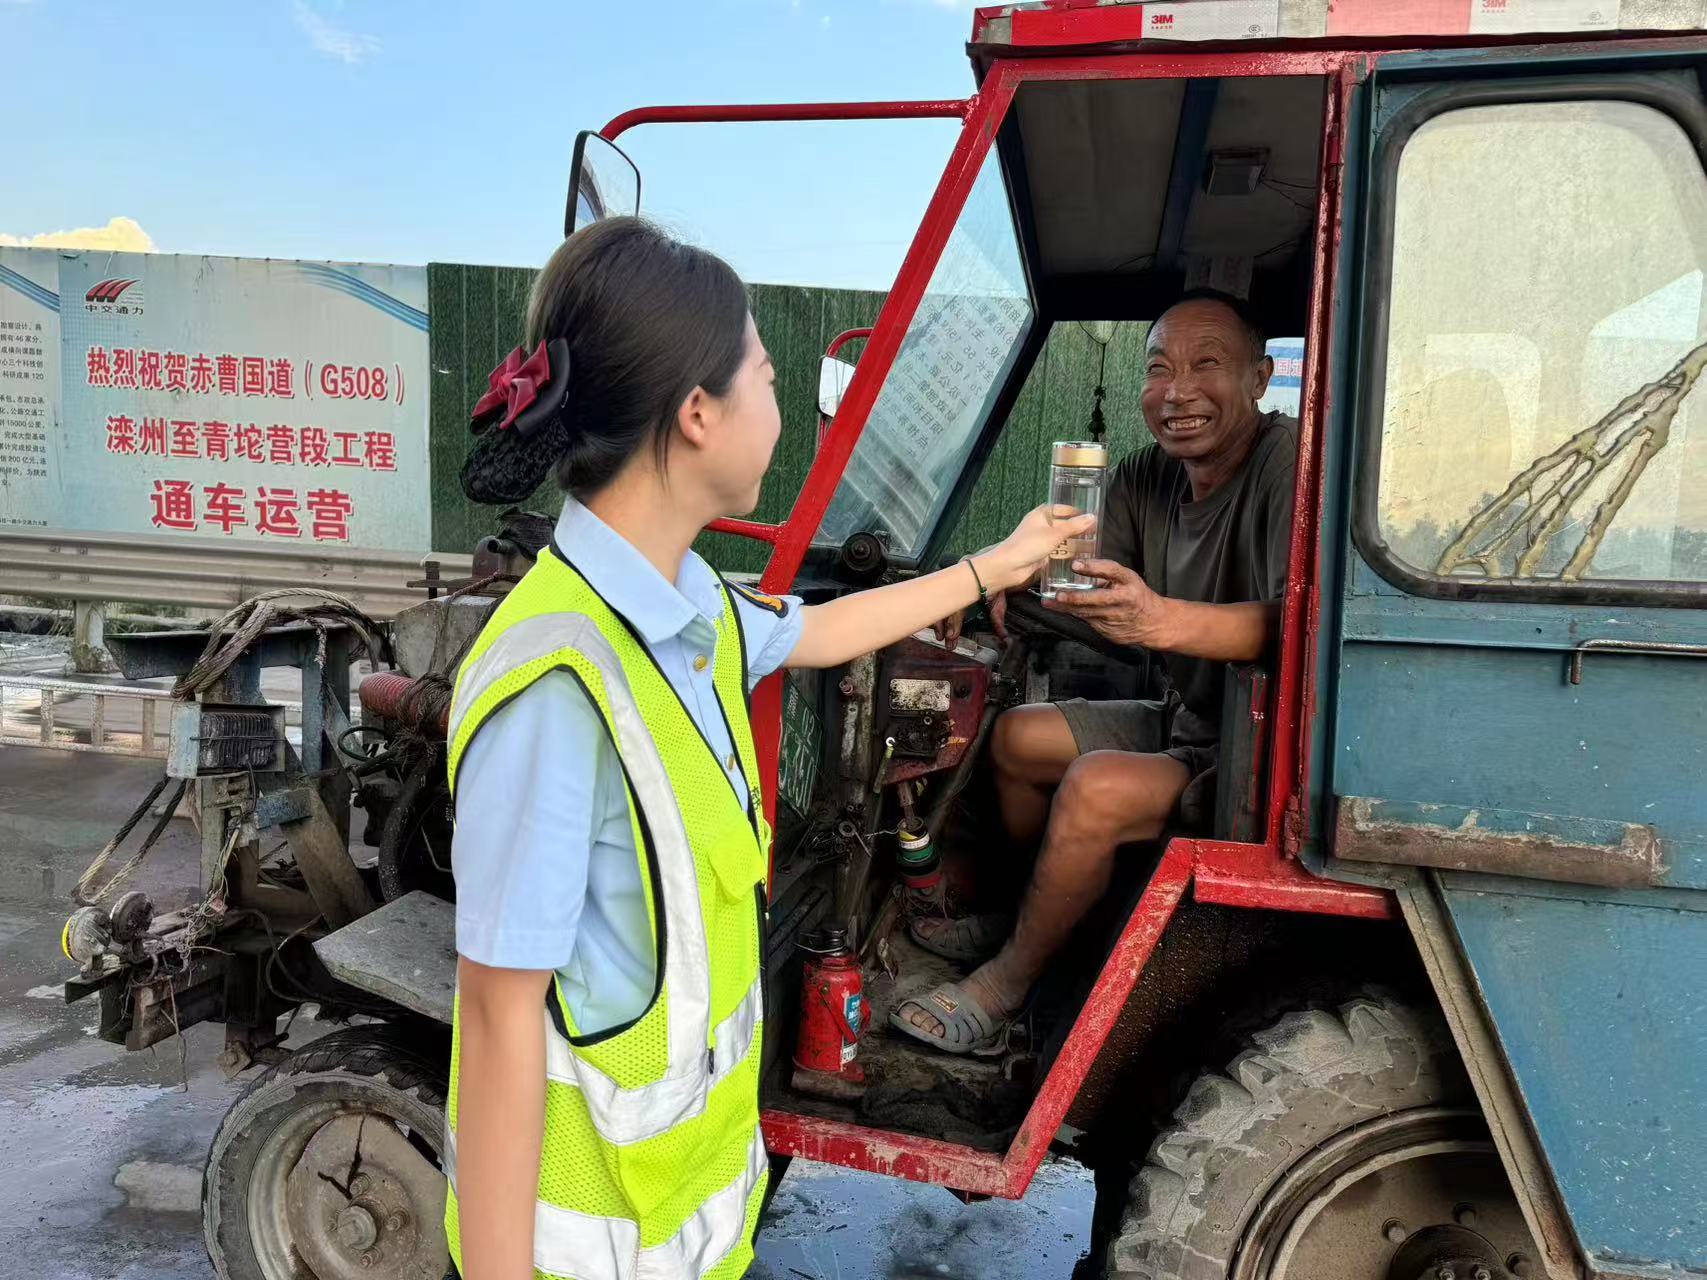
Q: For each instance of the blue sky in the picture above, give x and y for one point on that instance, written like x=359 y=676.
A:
x=437 y=132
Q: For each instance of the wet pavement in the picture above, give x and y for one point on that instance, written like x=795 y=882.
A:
x=101 y=1178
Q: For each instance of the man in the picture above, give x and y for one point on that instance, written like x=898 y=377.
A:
x=1195 y=543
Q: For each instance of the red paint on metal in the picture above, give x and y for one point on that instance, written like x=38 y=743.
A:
x=754 y=529
x=1252 y=876
x=1172 y=62
x=740 y=113
x=885 y=342
x=836 y=344
x=1053 y=27
x=384 y=694
x=983 y=1173
x=1233 y=875
x=899 y=1155
x=1090 y=1029
x=1301 y=605
x=842 y=339
x=915 y=660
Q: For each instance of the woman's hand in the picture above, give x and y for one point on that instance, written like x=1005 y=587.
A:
x=843 y=629
x=1019 y=557
x=949 y=629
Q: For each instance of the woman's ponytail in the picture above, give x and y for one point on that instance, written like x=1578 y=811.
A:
x=623 y=323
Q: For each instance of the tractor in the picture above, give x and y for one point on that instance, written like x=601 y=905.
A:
x=1423 y=994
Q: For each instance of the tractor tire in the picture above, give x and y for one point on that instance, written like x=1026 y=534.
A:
x=1250 y=1146
x=252 y=1212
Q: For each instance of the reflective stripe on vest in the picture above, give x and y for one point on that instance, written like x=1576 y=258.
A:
x=566 y=1243
x=633 y=1115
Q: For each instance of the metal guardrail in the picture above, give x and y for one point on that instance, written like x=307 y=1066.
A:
x=17 y=703
x=195 y=573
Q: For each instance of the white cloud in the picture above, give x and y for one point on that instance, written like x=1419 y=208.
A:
x=122 y=235
x=329 y=38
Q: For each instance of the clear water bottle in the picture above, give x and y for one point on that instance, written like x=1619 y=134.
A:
x=1078 y=478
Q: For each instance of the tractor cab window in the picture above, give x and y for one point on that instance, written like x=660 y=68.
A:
x=1547 y=326
x=955 y=357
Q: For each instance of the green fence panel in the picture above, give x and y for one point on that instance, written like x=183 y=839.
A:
x=477 y=316
x=1055 y=405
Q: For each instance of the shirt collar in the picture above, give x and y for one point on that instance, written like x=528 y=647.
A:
x=629 y=583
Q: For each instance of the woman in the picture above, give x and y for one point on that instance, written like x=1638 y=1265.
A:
x=610 y=847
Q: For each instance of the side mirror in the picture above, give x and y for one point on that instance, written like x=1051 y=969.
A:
x=833 y=378
x=603 y=183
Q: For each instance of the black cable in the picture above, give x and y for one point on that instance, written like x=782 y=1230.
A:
x=82 y=894
x=1290 y=199
x=167 y=813
x=136 y=814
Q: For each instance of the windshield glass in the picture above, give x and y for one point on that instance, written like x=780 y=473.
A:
x=954 y=360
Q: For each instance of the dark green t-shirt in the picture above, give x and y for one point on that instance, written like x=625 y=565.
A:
x=1229 y=548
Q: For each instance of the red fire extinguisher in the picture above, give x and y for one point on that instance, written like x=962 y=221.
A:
x=832 y=1009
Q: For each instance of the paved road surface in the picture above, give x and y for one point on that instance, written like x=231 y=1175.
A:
x=102 y=1168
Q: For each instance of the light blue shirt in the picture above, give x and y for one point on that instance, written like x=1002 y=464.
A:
x=546 y=872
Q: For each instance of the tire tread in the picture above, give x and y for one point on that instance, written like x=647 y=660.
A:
x=1370 y=1056
x=381 y=1053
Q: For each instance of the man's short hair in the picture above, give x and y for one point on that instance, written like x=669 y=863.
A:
x=1242 y=309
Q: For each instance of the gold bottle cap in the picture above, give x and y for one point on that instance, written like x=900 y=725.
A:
x=1080 y=453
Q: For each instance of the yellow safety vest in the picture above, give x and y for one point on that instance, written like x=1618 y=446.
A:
x=653 y=1167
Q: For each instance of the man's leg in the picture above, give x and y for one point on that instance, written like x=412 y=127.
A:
x=1105 y=800
x=1032 y=748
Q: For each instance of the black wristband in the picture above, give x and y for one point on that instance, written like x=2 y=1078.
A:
x=983 y=595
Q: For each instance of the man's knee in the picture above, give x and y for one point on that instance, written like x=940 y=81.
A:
x=1032 y=743
x=1118 y=796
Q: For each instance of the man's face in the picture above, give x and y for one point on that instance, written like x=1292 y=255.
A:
x=1202 y=380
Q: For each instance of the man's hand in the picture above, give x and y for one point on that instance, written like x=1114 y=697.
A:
x=948 y=630
x=1124 y=611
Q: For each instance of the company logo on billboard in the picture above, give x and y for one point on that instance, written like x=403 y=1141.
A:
x=1162 y=20
x=118 y=296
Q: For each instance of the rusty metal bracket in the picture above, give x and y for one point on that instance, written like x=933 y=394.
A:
x=323 y=857
x=1658 y=648
x=1536 y=846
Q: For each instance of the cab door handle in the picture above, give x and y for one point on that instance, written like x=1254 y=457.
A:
x=1664 y=648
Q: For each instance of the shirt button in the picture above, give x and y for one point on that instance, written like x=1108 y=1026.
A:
x=701 y=662
x=732 y=764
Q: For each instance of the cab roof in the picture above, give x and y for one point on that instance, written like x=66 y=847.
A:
x=1119 y=176
x=1050 y=25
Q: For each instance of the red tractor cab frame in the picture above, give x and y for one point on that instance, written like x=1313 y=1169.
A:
x=1257 y=875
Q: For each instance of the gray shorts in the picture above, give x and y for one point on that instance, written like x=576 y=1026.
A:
x=1151 y=728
